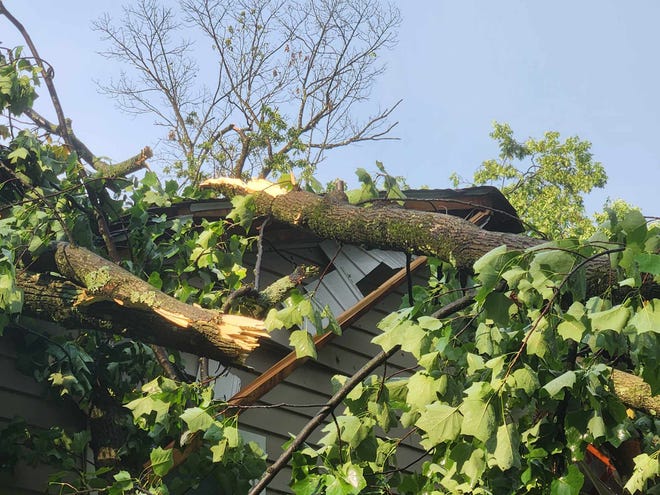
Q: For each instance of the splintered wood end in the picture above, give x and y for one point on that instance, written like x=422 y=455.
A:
x=252 y=186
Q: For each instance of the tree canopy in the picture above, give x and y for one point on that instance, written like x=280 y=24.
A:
x=283 y=79
x=548 y=194
x=544 y=359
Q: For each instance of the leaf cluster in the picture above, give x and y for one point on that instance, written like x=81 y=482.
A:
x=510 y=392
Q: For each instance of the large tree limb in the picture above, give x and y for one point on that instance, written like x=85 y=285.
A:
x=98 y=293
x=426 y=233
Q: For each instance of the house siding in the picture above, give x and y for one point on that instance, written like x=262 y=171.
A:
x=22 y=397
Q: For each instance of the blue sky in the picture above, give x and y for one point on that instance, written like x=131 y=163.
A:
x=587 y=68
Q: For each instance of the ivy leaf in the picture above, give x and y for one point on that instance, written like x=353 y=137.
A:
x=506 y=453
x=303 y=343
x=569 y=484
x=162 y=460
x=565 y=380
x=197 y=419
x=441 y=422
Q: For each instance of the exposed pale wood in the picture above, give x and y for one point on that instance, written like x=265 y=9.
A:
x=96 y=291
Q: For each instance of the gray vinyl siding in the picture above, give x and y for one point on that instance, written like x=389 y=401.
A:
x=311 y=383
x=22 y=397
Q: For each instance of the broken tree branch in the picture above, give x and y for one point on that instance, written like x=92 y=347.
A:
x=427 y=233
x=102 y=294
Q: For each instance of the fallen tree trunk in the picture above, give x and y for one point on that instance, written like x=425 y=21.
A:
x=425 y=233
x=98 y=293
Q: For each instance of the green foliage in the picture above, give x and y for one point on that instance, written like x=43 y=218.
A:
x=548 y=194
x=18 y=77
x=44 y=198
x=507 y=395
x=371 y=186
x=501 y=400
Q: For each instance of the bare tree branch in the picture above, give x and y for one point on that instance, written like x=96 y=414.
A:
x=285 y=69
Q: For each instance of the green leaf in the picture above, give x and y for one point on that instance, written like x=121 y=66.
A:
x=155 y=280
x=18 y=154
x=232 y=436
x=351 y=429
x=646 y=468
x=526 y=379
x=162 y=461
x=428 y=323
x=611 y=319
x=572 y=327
x=441 y=422
x=496 y=307
x=506 y=453
x=407 y=334
x=487 y=339
x=596 y=425
x=648 y=263
x=646 y=318
x=243 y=211
x=123 y=483
x=632 y=221
x=145 y=405
x=565 y=380
x=354 y=477
x=303 y=343
x=537 y=344
x=478 y=412
x=197 y=419
x=489 y=269
x=569 y=484
x=423 y=390
x=219 y=450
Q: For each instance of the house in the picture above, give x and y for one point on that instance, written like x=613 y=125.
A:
x=361 y=287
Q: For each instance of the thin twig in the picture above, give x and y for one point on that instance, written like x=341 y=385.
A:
x=260 y=251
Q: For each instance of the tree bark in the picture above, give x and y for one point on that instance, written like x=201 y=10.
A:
x=635 y=392
x=97 y=293
x=447 y=237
